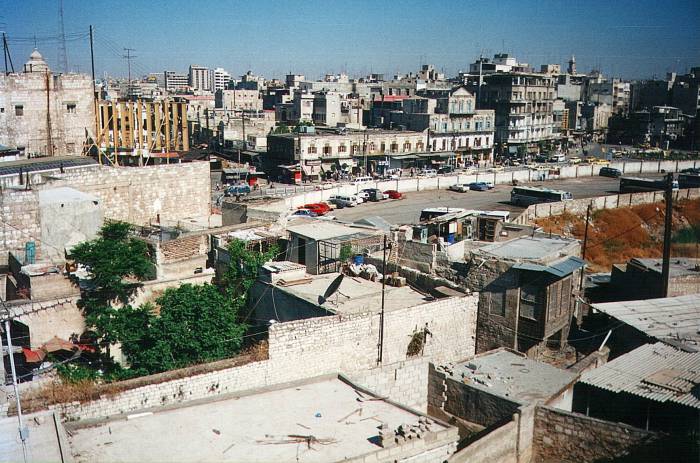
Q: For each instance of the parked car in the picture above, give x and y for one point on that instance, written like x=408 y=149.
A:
x=429 y=173
x=557 y=157
x=479 y=186
x=362 y=197
x=460 y=187
x=393 y=194
x=574 y=160
x=303 y=213
x=343 y=200
x=610 y=172
x=691 y=170
x=445 y=170
x=364 y=179
x=237 y=190
x=318 y=208
x=374 y=194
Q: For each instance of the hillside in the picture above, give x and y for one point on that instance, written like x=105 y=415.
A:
x=616 y=235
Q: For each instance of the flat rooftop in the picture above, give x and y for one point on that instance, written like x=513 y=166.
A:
x=512 y=376
x=252 y=428
x=64 y=195
x=680 y=267
x=45 y=163
x=355 y=294
x=530 y=248
x=673 y=320
x=324 y=230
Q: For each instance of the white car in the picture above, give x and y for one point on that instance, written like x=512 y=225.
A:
x=460 y=187
x=362 y=197
x=429 y=173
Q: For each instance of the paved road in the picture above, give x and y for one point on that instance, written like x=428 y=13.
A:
x=407 y=210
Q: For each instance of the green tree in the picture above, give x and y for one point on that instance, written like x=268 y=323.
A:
x=116 y=263
x=189 y=324
x=244 y=267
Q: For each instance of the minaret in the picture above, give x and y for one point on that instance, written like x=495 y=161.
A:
x=572 y=65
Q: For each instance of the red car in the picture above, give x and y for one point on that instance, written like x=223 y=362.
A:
x=317 y=208
x=393 y=194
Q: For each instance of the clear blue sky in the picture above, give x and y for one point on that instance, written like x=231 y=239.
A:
x=628 y=38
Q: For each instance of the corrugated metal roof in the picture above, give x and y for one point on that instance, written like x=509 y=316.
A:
x=669 y=319
x=559 y=269
x=636 y=373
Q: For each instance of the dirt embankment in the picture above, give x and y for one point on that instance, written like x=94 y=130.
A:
x=617 y=235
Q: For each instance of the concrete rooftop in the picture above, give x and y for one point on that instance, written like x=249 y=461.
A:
x=528 y=248
x=513 y=376
x=324 y=230
x=355 y=294
x=253 y=428
x=64 y=195
x=680 y=267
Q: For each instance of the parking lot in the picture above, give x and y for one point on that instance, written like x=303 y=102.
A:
x=407 y=210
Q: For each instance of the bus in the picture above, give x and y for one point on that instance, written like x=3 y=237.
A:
x=689 y=180
x=525 y=195
x=638 y=185
x=432 y=212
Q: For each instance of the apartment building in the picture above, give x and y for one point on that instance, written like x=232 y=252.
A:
x=523 y=105
x=239 y=100
x=199 y=78
x=220 y=79
x=453 y=121
x=176 y=82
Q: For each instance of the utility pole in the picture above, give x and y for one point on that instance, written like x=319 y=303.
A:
x=129 y=57
x=380 y=353
x=23 y=431
x=94 y=98
x=668 y=222
x=8 y=57
x=585 y=244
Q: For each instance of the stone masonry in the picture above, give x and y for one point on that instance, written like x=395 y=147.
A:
x=571 y=437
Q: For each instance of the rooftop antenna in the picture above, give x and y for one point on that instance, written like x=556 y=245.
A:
x=62 y=52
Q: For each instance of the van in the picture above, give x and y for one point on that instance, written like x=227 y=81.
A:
x=362 y=180
x=344 y=200
x=429 y=172
x=557 y=157
x=609 y=172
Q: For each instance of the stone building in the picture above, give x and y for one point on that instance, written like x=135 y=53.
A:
x=43 y=113
x=523 y=103
x=528 y=289
x=319 y=151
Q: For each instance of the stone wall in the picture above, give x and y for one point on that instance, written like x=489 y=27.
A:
x=171 y=193
x=19 y=214
x=183 y=256
x=571 y=437
x=58 y=317
x=314 y=347
x=579 y=206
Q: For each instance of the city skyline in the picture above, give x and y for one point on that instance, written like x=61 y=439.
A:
x=314 y=38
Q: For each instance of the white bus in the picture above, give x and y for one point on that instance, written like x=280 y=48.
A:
x=524 y=196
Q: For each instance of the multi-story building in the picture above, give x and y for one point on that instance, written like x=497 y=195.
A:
x=523 y=105
x=293 y=80
x=176 y=82
x=615 y=93
x=199 y=78
x=645 y=94
x=220 y=79
x=42 y=113
x=453 y=121
x=685 y=93
x=239 y=100
x=317 y=151
x=597 y=116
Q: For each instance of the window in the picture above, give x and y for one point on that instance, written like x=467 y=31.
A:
x=531 y=301
x=383 y=147
x=342 y=149
x=497 y=303
x=327 y=150
x=407 y=146
x=19 y=110
x=394 y=147
x=2 y=110
x=70 y=108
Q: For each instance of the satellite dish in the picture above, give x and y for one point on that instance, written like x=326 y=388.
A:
x=332 y=288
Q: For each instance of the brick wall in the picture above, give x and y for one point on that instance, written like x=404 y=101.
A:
x=571 y=437
x=139 y=194
x=58 y=317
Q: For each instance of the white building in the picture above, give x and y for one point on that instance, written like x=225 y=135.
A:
x=199 y=78
x=175 y=81
x=220 y=79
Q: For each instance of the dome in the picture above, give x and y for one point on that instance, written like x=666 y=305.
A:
x=36 y=63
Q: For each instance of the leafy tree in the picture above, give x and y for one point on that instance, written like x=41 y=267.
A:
x=282 y=128
x=117 y=262
x=189 y=324
x=244 y=267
